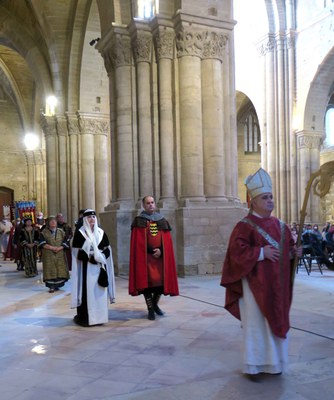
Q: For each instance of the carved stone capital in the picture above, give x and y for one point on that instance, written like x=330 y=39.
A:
x=268 y=45
x=164 y=43
x=61 y=126
x=189 y=42
x=214 y=45
x=142 y=45
x=120 y=52
x=72 y=124
x=309 y=140
x=93 y=125
x=48 y=125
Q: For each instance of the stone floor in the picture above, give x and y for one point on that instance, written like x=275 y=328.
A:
x=192 y=353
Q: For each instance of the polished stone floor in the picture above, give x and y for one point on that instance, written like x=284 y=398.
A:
x=191 y=353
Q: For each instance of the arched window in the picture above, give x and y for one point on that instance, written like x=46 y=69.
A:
x=329 y=126
x=251 y=133
x=146 y=9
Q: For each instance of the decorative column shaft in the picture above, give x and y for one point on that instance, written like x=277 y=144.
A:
x=164 y=41
x=73 y=131
x=62 y=164
x=118 y=62
x=189 y=44
x=142 y=45
x=49 y=128
x=102 y=184
x=308 y=146
x=213 y=114
x=87 y=128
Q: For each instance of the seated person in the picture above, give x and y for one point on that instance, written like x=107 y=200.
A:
x=311 y=241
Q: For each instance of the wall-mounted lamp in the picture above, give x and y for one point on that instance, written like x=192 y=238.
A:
x=94 y=41
x=50 y=106
x=31 y=141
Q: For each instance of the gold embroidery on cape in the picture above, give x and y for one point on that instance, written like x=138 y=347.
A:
x=153 y=229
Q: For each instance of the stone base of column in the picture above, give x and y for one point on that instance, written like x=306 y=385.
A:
x=200 y=235
x=203 y=235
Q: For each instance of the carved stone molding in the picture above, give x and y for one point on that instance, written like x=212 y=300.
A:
x=142 y=45
x=164 y=43
x=309 y=140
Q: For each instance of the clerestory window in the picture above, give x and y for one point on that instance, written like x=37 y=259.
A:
x=329 y=126
x=251 y=133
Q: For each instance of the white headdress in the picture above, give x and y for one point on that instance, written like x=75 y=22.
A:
x=258 y=183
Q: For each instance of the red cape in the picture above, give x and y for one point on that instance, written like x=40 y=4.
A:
x=138 y=263
x=270 y=282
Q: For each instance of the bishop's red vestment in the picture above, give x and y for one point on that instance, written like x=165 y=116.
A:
x=270 y=282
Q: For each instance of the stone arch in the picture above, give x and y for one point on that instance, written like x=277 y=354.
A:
x=321 y=89
x=16 y=37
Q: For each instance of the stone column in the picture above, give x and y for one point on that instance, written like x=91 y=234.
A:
x=118 y=61
x=268 y=49
x=62 y=163
x=87 y=125
x=48 y=125
x=73 y=131
x=308 y=147
x=213 y=114
x=282 y=134
x=164 y=42
x=31 y=174
x=39 y=156
x=189 y=43
x=294 y=212
x=142 y=47
x=102 y=168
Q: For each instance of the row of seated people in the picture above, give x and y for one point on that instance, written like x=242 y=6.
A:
x=319 y=245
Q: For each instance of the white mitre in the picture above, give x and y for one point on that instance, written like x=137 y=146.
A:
x=258 y=183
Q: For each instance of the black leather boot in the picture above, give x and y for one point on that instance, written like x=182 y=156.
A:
x=156 y=298
x=149 y=303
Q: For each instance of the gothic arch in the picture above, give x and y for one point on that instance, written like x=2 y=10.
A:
x=321 y=89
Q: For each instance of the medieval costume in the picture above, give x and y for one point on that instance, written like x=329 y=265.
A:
x=258 y=290
x=5 y=227
x=29 y=239
x=91 y=252
x=149 y=275
x=53 y=243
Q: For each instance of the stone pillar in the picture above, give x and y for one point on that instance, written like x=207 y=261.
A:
x=102 y=168
x=87 y=124
x=294 y=212
x=117 y=56
x=31 y=174
x=164 y=42
x=142 y=48
x=270 y=110
x=189 y=51
x=48 y=125
x=213 y=113
x=308 y=146
x=40 y=181
x=73 y=131
x=282 y=134
x=62 y=164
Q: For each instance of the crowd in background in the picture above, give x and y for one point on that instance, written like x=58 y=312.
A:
x=319 y=242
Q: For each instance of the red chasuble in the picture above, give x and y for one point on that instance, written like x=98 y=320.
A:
x=270 y=282
x=145 y=270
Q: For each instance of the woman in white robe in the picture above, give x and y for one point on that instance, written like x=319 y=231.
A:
x=90 y=251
